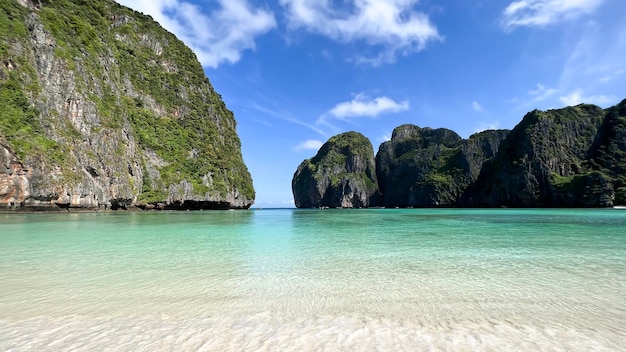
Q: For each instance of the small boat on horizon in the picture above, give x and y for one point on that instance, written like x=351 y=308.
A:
x=619 y=207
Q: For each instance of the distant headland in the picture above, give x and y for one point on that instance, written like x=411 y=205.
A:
x=570 y=157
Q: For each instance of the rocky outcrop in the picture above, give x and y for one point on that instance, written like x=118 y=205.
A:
x=417 y=167
x=570 y=157
x=14 y=179
x=341 y=175
x=408 y=165
x=608 y=152
x=106 y=109
x=561 y=157
x=431 y=167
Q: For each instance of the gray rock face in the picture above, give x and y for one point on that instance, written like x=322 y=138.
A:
x=608 y=151
x=431 y=167
x=478 y=149
x=417 y=167
x=341 y=175
x=117 y=114
x=407 y=166
x=14 y=179
x=545 y=161
x=571 y=157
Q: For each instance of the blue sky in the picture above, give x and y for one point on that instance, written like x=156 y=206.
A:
x=296 y=72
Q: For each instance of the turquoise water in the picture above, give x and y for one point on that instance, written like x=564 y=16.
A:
x=376 y=279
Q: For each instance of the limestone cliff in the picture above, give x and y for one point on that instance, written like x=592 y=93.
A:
x=101 y=107
x=570 y=157
x=429 y=167
x=563 y=157
x=608 y=152
x=342 y=174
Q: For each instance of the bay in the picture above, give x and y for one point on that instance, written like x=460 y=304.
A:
x=290 y=279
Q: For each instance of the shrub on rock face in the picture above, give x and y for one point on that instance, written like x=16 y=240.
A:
x=104 y=108
x=575 y=156
x=342 y=174
x=563 y=157
x=431 y=167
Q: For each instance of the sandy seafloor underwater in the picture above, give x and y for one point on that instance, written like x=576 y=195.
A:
x=315 y=280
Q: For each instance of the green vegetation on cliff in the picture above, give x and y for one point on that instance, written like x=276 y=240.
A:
x=575 y=156
x=341 y=174
x=428 y=167
x=342 y=150
x=608 y=153
x=417 y=167
x=79 y=73
x=552 y=158
x=19 y=123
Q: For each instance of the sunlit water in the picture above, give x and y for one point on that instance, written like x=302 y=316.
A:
x=297 y=280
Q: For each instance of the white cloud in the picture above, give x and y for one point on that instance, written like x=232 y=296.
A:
x=493 y=125
x=393 y=26
x=310 y=144
x=513 y=100
x=577 y=97
x=287 y=117
x=592 y=72
x=218 y=36
x=477 y=107
x=542 y=92
x=540 y=13
x=363 y=106
x=327 y=55
x=597 y=59
x=611 y=76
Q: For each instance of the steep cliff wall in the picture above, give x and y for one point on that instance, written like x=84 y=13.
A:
x=429 y=167
x=101 y=107
x=342 y=174
x=570 y=157
x=561 y=157
x=608 y=152
x=407 y=166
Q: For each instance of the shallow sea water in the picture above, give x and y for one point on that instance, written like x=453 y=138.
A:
x=313 y=280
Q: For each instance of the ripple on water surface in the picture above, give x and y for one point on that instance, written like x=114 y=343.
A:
x=456 y=280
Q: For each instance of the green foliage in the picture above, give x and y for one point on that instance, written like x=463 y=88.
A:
x=20 y=125
x=174 y=142
x=620 y=196
x=12 y=24
x=110 y=111
x=583 y=188
x=340 y=147
x=171 y=107
x=561 y=181
x=149 y=194
x=439 y=180
x=161 y=66
x=75 y=34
